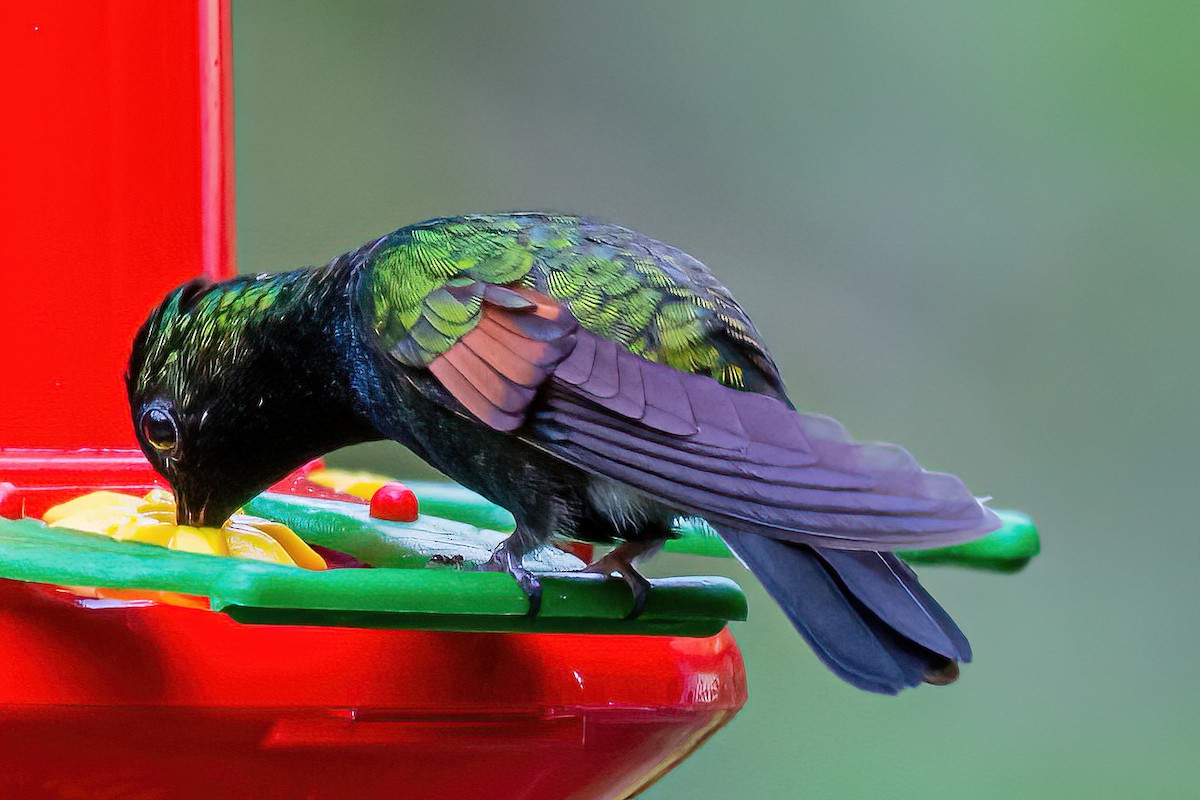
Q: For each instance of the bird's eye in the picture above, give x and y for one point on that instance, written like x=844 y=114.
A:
x=159 y=429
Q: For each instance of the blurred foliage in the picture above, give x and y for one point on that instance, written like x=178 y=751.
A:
x=968 y=227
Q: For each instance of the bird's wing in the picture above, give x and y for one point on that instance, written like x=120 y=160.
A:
x=626 y=358
x=651 y=299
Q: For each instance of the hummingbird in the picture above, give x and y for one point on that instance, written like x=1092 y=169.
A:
x=597 y=383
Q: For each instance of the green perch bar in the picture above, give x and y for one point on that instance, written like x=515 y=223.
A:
x=1008 y=549
x=422 y=577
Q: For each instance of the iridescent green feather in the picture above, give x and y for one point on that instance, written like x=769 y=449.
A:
x=650 y=298
x=199 y=329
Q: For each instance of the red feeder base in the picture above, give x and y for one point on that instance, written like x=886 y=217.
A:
x=155 y=701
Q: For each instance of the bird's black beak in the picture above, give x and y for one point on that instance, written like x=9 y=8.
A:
x=201 y=509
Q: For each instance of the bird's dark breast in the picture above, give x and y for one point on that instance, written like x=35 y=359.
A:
x=528 y=481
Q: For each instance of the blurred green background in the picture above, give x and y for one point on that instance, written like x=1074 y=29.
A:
x=968 y=227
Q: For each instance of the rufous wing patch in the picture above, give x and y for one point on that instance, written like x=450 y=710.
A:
x=495 y=369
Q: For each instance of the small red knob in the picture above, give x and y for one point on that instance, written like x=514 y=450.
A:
x=394 y=502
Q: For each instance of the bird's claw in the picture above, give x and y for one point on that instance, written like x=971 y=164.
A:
x=639 y=587
x=503 y=560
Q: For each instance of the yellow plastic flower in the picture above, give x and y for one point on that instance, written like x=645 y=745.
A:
x=151 y=519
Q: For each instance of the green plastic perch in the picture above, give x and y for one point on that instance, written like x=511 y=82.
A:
x=407 y=588
x=389 y=597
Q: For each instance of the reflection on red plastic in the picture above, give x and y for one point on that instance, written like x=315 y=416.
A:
x=44 y=478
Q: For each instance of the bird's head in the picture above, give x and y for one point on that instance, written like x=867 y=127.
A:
x=222 y=395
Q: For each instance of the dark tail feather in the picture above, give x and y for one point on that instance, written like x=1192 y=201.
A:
x=863 y=613
x=886 y=586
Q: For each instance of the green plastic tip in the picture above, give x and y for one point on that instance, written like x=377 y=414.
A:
x=1008 y=549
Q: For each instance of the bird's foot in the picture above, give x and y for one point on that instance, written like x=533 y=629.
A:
x=620 y=562
x=504 y=560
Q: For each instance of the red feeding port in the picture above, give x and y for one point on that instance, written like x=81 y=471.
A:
x=115 y=186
